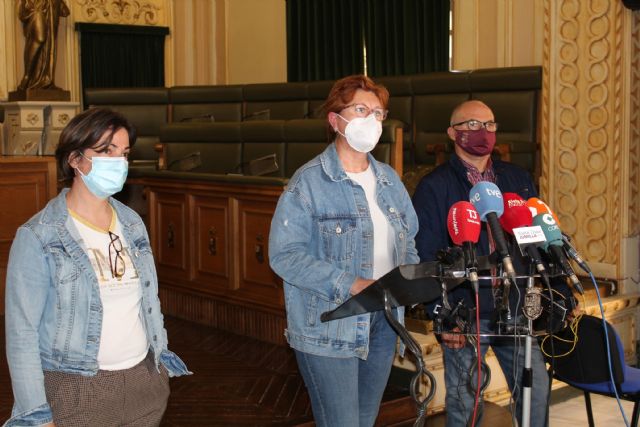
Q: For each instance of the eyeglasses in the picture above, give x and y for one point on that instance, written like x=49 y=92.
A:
x=473 y=124
x=362 y=110
x=116 y=261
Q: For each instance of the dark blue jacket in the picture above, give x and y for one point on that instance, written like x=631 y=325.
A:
x=436 y=192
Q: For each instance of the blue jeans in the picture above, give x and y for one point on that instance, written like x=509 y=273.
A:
x=347 y=391
x=460 y=397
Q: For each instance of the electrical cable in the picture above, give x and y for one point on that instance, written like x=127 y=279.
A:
x=606 y=340
x=573 y=327
x=479 y=361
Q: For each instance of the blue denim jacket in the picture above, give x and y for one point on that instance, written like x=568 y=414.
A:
x=53 y=306
x=322 y=239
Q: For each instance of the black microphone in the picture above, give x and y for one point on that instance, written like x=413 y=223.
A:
x=573 y=253
x=555 y=246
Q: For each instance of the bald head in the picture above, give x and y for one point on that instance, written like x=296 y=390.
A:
x=472 y=109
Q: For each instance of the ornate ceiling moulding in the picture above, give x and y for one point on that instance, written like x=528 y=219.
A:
x=129 y=12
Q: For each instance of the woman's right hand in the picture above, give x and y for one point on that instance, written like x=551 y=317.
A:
x=359 y=285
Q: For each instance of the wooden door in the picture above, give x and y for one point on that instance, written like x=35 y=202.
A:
x=170 y=234
x=212 y=247
x=256 y=279
x=26 y=185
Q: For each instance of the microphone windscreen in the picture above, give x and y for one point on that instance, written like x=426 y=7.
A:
x=463 y=223
x=550 y=229
x=537 y=206
x=487 y=198
x=516 y=213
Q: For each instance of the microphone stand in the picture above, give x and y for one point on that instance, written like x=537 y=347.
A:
x=527 y=374
x=413 y=347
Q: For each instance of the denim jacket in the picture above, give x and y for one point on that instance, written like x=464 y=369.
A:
x=54 y=310
x=321 y=239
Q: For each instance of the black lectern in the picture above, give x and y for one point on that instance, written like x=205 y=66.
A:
x=406 y=285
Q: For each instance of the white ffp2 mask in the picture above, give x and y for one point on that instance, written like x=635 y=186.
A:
x=362 y=133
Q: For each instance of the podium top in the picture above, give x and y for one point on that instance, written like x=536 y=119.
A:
x=404 y=285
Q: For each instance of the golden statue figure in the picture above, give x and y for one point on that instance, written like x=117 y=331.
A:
x=40 y=23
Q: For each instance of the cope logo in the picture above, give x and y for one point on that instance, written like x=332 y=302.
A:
x=547 y=218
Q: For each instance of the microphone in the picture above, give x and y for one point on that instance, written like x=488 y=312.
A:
x=463 y=224
x=537 y=206
x=555 y=246
x=517 y=221
x=573 y=253
x=487 y=199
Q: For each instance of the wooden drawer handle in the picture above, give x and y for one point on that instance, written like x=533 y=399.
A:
x=171 y=236
x=213 y=242
x=259 y=248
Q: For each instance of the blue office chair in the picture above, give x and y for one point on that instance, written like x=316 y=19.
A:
x=586 y=367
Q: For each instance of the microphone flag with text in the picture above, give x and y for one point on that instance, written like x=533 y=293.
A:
x=517 y=221
x=486 y=197
x=537 y=206
x=463 y=223
x=555 y=245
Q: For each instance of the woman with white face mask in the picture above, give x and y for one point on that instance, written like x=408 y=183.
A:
x=86 y=344
x=343 y=221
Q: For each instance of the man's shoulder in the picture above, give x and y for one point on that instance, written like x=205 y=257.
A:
x=513 y=178
x=439 y=173
x=511 y=169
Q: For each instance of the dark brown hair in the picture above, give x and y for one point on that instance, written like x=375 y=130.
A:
x=343 y=92
x=84 y=131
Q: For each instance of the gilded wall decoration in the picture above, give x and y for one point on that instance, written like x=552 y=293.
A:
x=131 y=12
x=602 y=141
x=546 y=107
x=564 y=135
x=582 y=127
x=633 y=225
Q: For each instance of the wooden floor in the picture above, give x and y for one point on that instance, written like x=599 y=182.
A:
x=237 y=381
x=243 y=382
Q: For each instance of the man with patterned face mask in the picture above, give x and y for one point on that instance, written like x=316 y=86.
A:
x=473 y=129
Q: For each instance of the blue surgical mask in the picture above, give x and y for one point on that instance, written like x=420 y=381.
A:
x=107 y=175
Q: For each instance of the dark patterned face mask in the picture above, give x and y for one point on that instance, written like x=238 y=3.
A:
x=476 y=142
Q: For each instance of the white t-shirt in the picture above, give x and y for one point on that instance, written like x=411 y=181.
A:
x=383 y=238
x=123 y=341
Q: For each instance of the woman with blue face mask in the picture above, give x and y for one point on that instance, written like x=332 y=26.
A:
x=86 y=344
x=343 y=221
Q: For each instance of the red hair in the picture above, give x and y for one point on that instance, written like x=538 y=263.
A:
x=343 y=92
